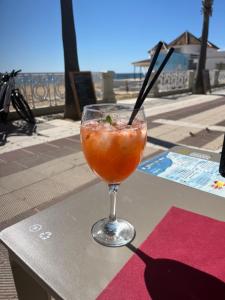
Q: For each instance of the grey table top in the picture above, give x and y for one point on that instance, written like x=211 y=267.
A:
x=56 y=244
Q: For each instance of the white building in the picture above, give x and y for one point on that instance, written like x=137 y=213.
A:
x=189 y=45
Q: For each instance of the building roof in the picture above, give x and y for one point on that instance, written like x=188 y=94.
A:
x=211 y=45
x=164 y=47
x=141 y=63
x=187 y=38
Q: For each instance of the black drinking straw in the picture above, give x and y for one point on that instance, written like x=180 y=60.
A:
x=145 y=91
x=149 y=72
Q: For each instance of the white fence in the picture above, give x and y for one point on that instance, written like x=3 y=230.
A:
x=169 y=82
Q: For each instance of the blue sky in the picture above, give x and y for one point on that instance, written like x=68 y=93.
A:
x=110 y=34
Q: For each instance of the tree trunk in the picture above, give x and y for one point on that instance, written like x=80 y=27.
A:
x=199 y=87
x=70 y=55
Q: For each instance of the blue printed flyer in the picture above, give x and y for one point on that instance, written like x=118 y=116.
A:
x=192 y=171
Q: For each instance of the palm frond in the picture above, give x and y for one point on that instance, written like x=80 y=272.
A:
x=207 y=7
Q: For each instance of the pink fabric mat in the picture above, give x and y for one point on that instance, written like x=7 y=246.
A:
x=183 y=258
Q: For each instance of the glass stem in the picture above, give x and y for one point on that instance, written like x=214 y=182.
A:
x=113 y=188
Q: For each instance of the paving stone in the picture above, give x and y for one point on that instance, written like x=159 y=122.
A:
x=7 y=286
x=20 y=179
x=75 y=177
x=75 y=159
x=44 y=126
x=60 y=132
x=81 y=161
x=177 y=110
x=215 y=144
x=15 y=155
x=62 y=123
x=64 y=143
x=35 y=160
x=75 y=138
x=53 y=167
x=42 y=191
x=45 y=148
x=3 y=191
x=53 y=150
x=181 y=134
x=2 y=162
x=8 y=147
x=10 y=168
x=177 y=134
x=201 y=138
x=161 y=130
x=208 y=117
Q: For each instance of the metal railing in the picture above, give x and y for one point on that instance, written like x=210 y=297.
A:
x=42 y=89
x=47 y=89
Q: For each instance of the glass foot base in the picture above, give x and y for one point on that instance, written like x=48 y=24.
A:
x=113 y=233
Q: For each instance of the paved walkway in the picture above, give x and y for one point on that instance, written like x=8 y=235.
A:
x=39 y=170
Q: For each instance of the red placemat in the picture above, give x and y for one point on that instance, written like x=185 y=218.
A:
x=183 y=258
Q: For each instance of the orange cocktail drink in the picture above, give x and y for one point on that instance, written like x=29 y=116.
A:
x=113 y=146
x=113 y=150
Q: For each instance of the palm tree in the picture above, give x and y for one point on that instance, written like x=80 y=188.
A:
x=199 y=87
x=70 y=55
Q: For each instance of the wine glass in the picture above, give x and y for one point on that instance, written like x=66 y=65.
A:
x=113 y=149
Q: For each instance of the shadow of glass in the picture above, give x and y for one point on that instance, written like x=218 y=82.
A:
x=167 y=279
